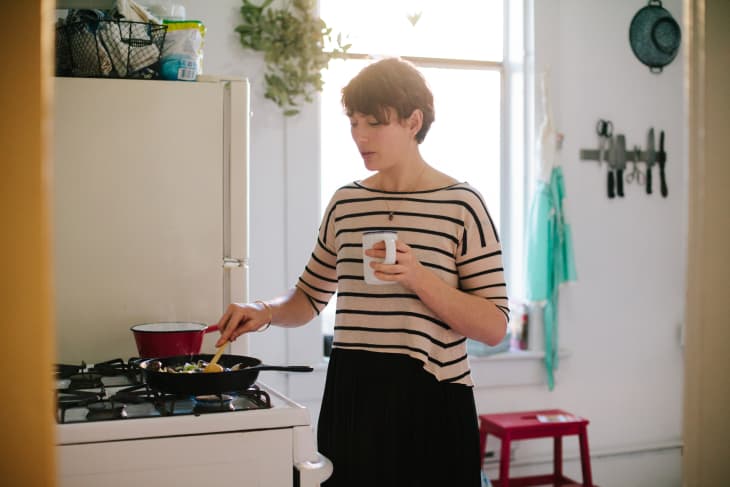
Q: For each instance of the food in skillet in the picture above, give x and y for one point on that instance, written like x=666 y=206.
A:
x=190 y=368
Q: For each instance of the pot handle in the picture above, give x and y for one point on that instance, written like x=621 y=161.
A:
x=211 y=329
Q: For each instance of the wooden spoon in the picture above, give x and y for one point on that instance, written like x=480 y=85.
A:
x=213 y=364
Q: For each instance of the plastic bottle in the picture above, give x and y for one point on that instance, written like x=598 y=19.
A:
x=525 y=330
x=183 y=51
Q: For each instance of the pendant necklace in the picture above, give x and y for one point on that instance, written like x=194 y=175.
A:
x=391 y=211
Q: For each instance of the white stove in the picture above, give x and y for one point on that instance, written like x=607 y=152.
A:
x=117 y=434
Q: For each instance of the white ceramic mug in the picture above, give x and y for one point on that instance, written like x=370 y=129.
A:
x=368 y=240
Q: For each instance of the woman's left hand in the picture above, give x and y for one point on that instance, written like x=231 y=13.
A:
x=406 y=269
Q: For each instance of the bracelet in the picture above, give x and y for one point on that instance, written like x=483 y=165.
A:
x=271 y=315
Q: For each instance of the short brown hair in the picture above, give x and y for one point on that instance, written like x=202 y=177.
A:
x=394 y=83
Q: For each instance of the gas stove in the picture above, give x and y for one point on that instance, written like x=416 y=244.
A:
x=113 y=430
x=115 y=390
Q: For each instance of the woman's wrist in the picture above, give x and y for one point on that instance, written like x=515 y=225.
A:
x=267 y=307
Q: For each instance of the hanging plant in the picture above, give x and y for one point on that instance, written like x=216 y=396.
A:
x=292 y=39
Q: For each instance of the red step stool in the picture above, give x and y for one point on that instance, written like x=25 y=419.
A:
x=525 y=425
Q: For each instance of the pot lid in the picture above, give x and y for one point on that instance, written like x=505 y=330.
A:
x=654 y=36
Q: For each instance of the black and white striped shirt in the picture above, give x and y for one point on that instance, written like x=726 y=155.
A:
x=450 y=232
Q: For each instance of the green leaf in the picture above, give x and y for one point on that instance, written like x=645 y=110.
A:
x=291 y=40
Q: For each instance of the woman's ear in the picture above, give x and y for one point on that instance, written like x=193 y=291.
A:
x=415 y=121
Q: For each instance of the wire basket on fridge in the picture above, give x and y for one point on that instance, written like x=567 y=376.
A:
x=109 y=49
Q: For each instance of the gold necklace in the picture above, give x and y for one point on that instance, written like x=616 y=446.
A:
x=391 y=211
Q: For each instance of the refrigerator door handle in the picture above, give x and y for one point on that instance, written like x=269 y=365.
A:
x=232 y=263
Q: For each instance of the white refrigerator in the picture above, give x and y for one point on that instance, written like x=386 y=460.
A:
x=150 y=203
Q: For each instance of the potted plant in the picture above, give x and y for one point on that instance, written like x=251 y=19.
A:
x=292 y=39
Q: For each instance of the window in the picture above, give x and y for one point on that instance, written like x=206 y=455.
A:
x=461 y=50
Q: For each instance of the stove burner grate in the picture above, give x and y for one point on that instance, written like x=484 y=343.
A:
x=64 y=371
x=117 y=367
x=71 y=398
x=255 y=392
x=213 y=403
x=136 y=394
x=85 y=380
x=106 y=410
x=85 y=394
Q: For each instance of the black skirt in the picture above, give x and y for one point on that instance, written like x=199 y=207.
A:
x=385 y=421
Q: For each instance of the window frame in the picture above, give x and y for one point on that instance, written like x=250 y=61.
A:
x=301 y=217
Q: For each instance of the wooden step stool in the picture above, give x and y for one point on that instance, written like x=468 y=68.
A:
x=525 y=425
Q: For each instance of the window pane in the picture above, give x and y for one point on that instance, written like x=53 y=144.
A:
x=459 y=29
x=464 y=140
x=341 y=161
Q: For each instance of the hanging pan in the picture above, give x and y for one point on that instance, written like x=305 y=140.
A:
x=654 y=36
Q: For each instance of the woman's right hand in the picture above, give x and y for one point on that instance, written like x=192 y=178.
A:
x=241 y=318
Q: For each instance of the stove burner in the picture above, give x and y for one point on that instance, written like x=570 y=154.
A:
x=141 y=393
x=106 y=410
x=85 y=380
x=213 y=403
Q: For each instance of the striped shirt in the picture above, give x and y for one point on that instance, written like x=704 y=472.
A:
x=451 y=234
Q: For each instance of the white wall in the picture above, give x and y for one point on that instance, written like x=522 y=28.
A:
x=620 y=323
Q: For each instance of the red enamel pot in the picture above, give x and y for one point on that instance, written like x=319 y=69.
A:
x=168 y=339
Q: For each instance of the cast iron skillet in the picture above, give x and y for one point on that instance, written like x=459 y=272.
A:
x=212 y=383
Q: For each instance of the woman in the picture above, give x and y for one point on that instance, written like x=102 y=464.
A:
x=398 y=406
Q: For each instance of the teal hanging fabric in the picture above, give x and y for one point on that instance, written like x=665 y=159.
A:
x=549 y=248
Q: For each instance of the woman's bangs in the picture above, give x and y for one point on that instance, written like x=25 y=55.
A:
x=358 y=99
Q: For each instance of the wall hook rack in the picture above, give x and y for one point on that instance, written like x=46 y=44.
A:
x=617 y=157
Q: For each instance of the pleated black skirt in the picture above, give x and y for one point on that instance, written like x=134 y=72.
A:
x=385 y=421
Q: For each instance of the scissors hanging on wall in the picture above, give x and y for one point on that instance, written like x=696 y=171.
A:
x=636 y=175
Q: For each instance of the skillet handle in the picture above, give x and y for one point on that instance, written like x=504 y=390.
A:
x=283 y=368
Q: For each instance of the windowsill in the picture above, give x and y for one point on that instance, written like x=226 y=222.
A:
x=516 y=355
x=510 y=368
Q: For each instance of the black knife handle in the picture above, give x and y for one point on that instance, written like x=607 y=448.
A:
x=648 y=180
x=662 y=160
x=620 y=182
x=611 y=193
